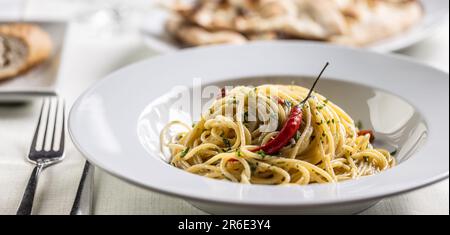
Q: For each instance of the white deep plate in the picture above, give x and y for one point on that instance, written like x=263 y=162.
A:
x=116 y=123
x=435 y=13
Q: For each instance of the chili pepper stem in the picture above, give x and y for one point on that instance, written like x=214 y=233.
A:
x=315 y=83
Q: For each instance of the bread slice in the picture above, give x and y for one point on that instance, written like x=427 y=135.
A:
x=372 y=21
x=355 y=23
x=192 y=35
x=22 y=46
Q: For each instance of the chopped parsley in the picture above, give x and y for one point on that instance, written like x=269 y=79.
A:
x=297 y=136
x=184 y=152
x=238 y=153
x=262 y=154
x=359 y=124
x=393 y=153
x=226 y=142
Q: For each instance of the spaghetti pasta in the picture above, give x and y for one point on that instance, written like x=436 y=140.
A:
x=226 y=143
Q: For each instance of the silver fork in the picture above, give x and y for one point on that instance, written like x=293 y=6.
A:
x=47 y=147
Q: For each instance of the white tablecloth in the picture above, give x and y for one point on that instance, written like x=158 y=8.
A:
x=86 y=59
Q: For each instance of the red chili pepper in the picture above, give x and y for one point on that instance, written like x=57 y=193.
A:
x=291 y=126
x=280 y=101
x=289 y=130
x=365 y=132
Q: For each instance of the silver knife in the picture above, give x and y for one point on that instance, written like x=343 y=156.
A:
x=83 y=202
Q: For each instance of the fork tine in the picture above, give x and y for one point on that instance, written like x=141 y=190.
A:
x=55 y=123
x=43 y=157
x=44 y=142
x=63 y=128
x=36 y=133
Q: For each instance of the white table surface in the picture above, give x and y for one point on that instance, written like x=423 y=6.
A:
x=88 y=56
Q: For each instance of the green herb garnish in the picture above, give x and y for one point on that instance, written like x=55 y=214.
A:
x=184 y=152
x=226 y=142
x=297 y=136
x=359 y=124
x=262 y=154
x=393 y=153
